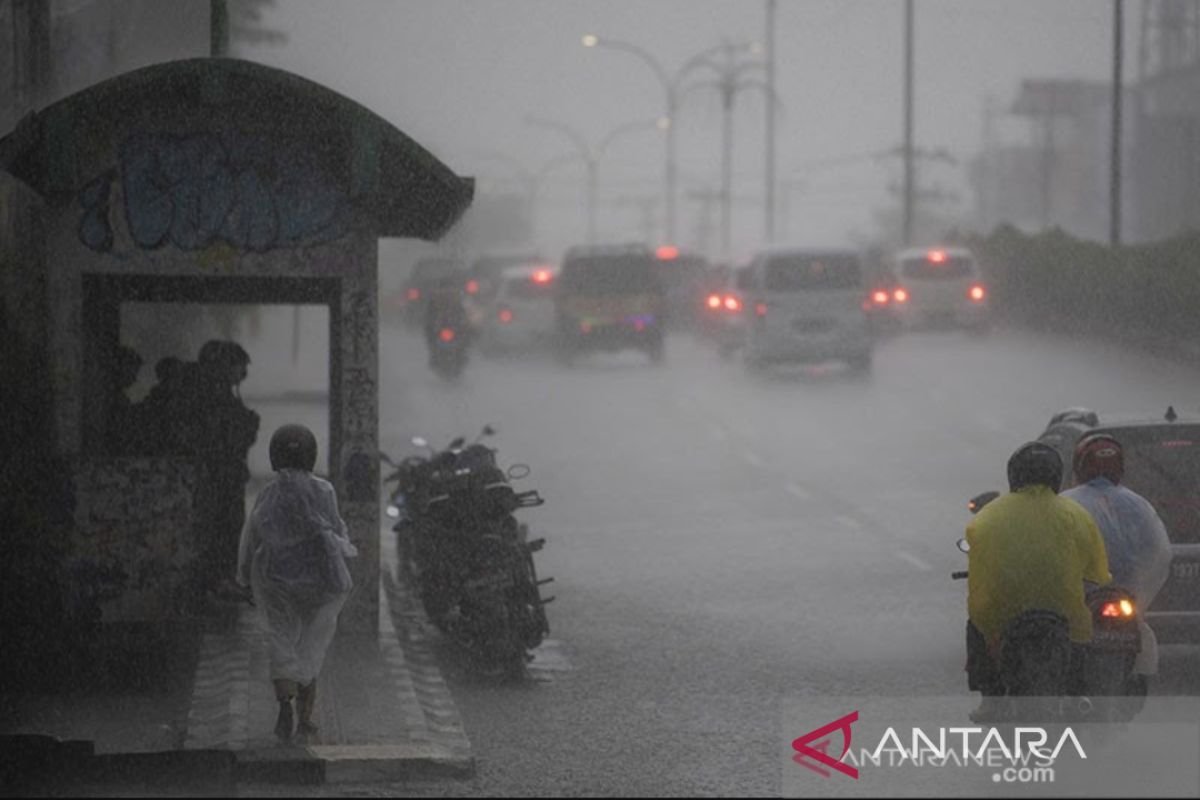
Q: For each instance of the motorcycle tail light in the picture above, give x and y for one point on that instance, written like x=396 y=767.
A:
x=505 y=315
x=976 y=293
x=446 y=335
x=1117 y=608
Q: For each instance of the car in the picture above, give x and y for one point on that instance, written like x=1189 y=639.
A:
x=426 y=273
x=682 y=276
x=725 y=310
x=939 y=286
x=483 y=278
x=1162 y=463
x=520 y=316
x=807 y=305
x=609 y=298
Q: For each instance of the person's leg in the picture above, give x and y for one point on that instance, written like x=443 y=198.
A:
x=306 y=703
x=982 y=675
x=282 y=625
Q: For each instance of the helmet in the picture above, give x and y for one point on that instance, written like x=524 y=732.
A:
x=293 y=447
x=1035 y=463
x=1098 y=455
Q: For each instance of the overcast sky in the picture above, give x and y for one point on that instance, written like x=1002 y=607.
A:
x=460 y=77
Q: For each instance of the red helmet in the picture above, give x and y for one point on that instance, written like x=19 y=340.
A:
x=1098 y=455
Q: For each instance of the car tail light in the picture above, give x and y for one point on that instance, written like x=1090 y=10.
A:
x=446 y=334
x=542 y=276
x=760 y=309
x=714 y=301
x=414 y=294
x=472 y=286
x=976 y=293
x=505 y=315
x=937 y=256
x=879 y=297
x=1117 y=608
x=732 y=303
x=900 y=295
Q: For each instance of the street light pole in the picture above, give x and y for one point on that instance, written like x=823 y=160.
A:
x=591 y=157
x=671 y=87
x=908 y=122
x=770 y=146
x=1114 y=222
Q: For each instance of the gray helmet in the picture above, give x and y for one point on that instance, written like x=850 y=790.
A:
x=293 y=447
x=1035 y=463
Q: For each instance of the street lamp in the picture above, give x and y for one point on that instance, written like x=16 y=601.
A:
x=671 y=86
x=731 y=71
x=590 y=155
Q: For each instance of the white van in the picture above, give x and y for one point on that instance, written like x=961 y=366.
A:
x=939 y=286
x=807 y=305
x=519 y=314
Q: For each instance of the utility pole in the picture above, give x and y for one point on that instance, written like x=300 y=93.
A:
x=908 y=122
x=1114 y=222
x=218 y=45
x=769 y=215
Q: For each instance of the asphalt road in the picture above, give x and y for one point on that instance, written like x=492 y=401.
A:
x=725 y=543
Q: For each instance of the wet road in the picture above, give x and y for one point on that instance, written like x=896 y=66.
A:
x=721 y=541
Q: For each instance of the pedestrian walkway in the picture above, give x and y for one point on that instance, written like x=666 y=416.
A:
x=383 y=709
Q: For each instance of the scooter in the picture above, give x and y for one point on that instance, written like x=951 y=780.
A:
x=1044 y=675
x=448 y=350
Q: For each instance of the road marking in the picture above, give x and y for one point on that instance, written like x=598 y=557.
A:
x=910 y=558
x=752 y=458
x=797 y=491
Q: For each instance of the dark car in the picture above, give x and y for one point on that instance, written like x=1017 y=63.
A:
x=1162 y=463
x=426 y=273
x=483 y=278
x=609 y=297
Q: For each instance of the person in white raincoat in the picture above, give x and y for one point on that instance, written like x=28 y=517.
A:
x=1139 y=550
x=293 y=554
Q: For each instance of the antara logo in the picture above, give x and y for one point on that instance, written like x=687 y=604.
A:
x=817 y=752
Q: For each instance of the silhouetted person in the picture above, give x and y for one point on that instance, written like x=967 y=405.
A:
x=225 y=430
x=158 y=411
x=122 y=431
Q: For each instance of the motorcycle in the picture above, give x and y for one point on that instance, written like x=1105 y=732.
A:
x=469 y=559
x=1045 y=675
x=448 y=351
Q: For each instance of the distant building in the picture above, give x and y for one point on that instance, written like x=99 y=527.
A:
x=1060 y=176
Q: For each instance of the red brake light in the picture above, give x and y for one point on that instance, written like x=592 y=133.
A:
x=937 y=256
x=472 y=286
x=505 y=315
x=880 y=297
x=714 y=301
x=414 y=294
x=732 y=303
x=977 y=293
x=446 y=334
x=542 y=276
x=900 y=295
x=667 y=252
x=1117 y=608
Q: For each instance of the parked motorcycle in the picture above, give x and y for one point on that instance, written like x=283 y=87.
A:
x=1046 y=676
x=465 y=553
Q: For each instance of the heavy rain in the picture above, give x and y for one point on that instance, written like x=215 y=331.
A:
x=600 y=397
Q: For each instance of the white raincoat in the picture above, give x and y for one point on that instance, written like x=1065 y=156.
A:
x=293 y=554
x=1139 y=550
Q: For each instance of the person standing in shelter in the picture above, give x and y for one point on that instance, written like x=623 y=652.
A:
x=293 y=555
x=224 y=430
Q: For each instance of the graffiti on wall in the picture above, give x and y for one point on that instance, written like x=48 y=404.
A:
x=254 y=193
x=132 y=549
